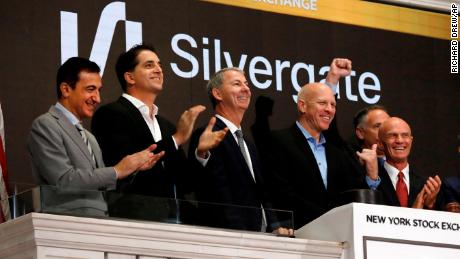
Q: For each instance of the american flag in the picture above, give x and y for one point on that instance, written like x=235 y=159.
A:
x=4 y=204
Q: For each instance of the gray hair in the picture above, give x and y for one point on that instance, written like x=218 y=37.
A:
x=217 y=80
x=361 y=115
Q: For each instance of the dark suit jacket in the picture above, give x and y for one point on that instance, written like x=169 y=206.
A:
x=121 y=130
x=389 y=193
x=226 y=179
x=451 y=186
x=294 y=179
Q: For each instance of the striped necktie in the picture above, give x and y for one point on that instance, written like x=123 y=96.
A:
x=81 y=130
x=239 y=137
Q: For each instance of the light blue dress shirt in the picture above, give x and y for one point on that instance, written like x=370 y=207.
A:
x=72 y=118
x=319 y=151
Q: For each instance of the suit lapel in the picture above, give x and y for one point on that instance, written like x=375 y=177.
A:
x=386 y=187
x=232 y=145
x=415 y=185
x=139 y=124
x=332 y=169
x=96 y=150
x=304 y=148
x=72 y=132
x=255 y=161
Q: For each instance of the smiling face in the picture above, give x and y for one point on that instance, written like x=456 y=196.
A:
x=234 y=95
x=147 y=76
x=316 y=105
x=83 y=99
x=395 y=138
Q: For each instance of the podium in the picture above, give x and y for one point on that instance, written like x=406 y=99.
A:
x=382 y=232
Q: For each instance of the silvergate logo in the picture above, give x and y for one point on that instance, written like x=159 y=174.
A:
x=112 y=13
x=367 y=86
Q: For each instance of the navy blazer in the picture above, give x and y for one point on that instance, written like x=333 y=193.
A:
x=451 y=186
x=226 y=179
x=294 y=179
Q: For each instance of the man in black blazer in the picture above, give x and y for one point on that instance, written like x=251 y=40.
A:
x=132 y=123
x=306 y=170
x=395 y=139
x=307 y=165
x=227 y=167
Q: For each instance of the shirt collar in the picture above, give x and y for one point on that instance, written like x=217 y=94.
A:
x=231 y=127
x=70 y=116
x=139 y=104
x=309 y=137
x=393 y=171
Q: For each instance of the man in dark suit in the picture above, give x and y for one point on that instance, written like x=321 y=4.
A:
x=306 y=170
x=132 y=122
x=227 y=167
x=451 y=191
x=67 y=156
x=400 y=185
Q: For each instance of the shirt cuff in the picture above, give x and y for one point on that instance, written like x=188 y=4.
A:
x=373 y=184
x=203 y=161
x=116 y=173
x=175 y=144
x=332 y=86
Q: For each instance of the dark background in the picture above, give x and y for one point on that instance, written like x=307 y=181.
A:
x=414 y=71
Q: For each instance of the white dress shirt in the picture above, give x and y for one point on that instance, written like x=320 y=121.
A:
x=232 y=128
x=393 y=173
x=151 y=121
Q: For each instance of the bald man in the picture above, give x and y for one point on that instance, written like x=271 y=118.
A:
x=395 y=139
x=306 y=171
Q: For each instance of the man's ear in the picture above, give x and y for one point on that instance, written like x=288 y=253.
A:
x=216 y=93
x=359 y=133
x=129 y=78
x=65 y=89
x=380 y=145
x=301 y=107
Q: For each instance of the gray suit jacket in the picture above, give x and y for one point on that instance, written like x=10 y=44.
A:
x=60 y=156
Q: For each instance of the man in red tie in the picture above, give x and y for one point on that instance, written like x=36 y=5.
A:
x=400 y=185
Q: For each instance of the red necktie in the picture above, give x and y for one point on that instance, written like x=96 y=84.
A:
x=401 y=190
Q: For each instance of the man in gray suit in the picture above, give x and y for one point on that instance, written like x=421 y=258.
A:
x=63 y=153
